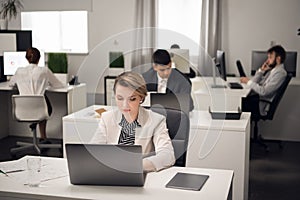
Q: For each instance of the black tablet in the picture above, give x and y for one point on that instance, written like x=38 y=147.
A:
x=187 y=181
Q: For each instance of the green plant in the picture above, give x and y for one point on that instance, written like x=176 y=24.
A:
x=58 y=62
x=10 y=8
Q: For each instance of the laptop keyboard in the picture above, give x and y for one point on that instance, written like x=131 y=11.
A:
x=235 y=85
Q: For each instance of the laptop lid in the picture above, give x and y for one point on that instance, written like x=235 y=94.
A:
x=170 y=100
x=105 y=164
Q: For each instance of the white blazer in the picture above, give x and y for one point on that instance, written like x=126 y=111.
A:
x=153 y=135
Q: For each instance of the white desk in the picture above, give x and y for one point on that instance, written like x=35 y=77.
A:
x=218 y=99
x=217 y=186
x=221 y=144
x=63 y=100
x=228 y=141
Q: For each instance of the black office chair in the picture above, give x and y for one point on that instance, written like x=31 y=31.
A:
x=257 y=138
x=30 y=109
x=178 y=124
x=240 y=68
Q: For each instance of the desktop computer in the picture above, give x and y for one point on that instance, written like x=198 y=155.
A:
x=181 y=59
x=13 y=60
x=2 y=76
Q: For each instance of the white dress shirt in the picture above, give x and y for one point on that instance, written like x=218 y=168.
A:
x=33 y=79
x=161 y=84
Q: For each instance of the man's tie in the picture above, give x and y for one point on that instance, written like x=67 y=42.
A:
x=162 y=86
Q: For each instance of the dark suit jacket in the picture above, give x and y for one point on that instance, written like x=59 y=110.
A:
x=177 y=83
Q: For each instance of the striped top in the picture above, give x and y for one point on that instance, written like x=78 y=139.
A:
x=127 y=136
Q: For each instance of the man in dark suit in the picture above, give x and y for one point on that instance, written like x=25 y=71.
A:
x=162 y=78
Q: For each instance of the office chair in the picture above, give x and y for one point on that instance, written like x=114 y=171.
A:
x=178 y=124
x=257 y=138
x=30 y=109
x=240 y=68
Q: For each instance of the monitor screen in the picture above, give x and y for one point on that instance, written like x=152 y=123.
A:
x=2 y=76
x=13 y=60
x=181 y=59
x=220 y=63
x=259 y=57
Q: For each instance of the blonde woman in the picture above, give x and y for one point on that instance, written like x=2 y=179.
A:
x=132 y=124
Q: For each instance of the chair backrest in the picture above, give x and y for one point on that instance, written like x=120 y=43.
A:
x=178 y=124
x=29 y=108
x=278 y=97
x=240 y=68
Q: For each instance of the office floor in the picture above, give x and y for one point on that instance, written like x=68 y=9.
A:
x=273 y=175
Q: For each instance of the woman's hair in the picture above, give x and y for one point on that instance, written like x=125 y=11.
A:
x=134 y=81
x=33 y=55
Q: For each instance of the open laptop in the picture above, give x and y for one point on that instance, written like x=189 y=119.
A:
x=170 y=100
x=105 y=164
x=236 y=85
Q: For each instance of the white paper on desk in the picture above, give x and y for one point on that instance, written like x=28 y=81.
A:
x=48 y=172
x=13 y=165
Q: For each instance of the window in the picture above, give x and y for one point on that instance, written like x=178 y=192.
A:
x=182 y=17
x=57 y=31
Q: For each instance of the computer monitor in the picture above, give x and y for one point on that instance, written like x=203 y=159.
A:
x=220 y=64
x=181 y=59
x=259 y=57
x=2 y=76
x=13 y=60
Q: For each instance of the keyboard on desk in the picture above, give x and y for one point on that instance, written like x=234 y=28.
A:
x=235 y=85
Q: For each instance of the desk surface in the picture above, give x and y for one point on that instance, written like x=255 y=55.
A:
x=198 y=119
x=218 y=99
x=203 y=85
x=217 y=186
x=67 y=88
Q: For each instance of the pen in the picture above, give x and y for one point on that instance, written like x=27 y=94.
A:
x=13 y=171
x=3 y=172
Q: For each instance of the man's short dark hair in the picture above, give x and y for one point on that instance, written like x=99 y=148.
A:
x=279 y=51
x=161 y=57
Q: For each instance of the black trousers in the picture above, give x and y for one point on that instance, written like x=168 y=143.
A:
x=251 y=104
x=48 y=105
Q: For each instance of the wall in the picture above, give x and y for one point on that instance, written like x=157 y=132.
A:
x=105 y=19
x=253 y=25
x=246 y=25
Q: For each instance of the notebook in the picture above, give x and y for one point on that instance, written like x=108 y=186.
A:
x=187 y=181
x=105 y=164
